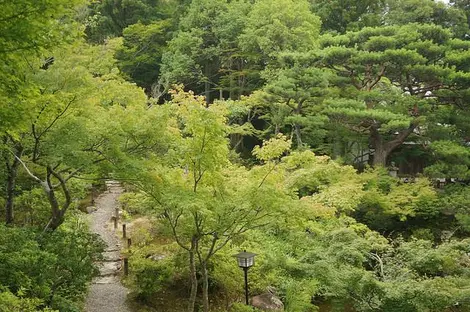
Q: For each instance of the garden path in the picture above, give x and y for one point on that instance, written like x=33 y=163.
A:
x=106 y=293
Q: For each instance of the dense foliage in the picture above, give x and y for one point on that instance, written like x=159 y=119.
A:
x=41 y=270
x=329 y=137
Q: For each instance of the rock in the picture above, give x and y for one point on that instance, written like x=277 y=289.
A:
x=91 y=209
x=267 y=302
x=157 y=257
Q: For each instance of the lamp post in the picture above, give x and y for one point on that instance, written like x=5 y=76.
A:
x=245 y=261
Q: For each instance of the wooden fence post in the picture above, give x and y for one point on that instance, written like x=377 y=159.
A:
x=124 y=230
x=126 y=266
x=114 y=219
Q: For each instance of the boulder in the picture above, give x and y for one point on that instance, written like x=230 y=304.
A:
x=91 y=209
x=267 y=302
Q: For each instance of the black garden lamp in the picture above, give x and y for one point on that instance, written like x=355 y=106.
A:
x=245 y=261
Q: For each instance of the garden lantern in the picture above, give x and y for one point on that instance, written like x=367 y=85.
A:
x=245 y=260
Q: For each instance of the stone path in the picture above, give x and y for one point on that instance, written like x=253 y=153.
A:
x=107 y=294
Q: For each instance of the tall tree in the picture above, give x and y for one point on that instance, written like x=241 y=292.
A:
x=205 y=48
x=140 y=56
x=464 y=5
x=205 y=200
x=279 y=26
x=291 y=99
x=62 y=137
x=109 y=18
x=342 y=15
x=399 y=73
x=27 y=28
x=402 y=12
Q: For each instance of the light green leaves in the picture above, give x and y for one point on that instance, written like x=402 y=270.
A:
x=273 y=149
x=280 y=25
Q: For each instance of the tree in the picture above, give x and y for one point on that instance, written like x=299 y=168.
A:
x=27 y=29
x=465 y=7
x=109 y=18
x=279 y=26
x=205 y=49
x=140 y=56
x=228 y=47
x=291 y=97
x=451 y=160
x=62 y=137
x=402 y=12
x=201 y=196
x=29 y=26
x=400 y=74
x=340 y=16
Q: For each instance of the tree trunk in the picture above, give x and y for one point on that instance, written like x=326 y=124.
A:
x=382 y=148
x=11 y=182
x=236 y=141
x=12 y=172
x=381 y=152
x=193 y=276
x=380 y=156
x=207 y=87
x=57 y=216
x=205 y=287
x=298 y=135
x=10 y=197
x=56 y=221
x=241 y=79
x=57 y=211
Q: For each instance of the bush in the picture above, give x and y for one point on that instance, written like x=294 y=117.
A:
x=239 y=307
x=150 y=275
x=11 y=303
x=134 y=203
x=51 y=269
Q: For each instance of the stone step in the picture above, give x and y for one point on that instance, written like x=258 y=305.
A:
x=112 y=182
x=109 y=268
x=110 y=279
x=111 y=250
x=111 y=260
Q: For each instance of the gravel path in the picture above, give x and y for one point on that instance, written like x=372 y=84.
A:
x=107 y=294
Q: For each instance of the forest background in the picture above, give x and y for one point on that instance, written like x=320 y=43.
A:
x=329 y=137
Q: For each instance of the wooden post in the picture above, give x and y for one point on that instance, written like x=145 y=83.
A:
x=246 y=286
x=126 y=266
x=115 y=220
x=92 y=197
x=116 y=213
x=129 y=243
x=124 y=230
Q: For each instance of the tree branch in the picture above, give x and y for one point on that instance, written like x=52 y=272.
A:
x=402 y=136
x=68 y=198
x=27 y=169
x=58 y=116
x=174 y=225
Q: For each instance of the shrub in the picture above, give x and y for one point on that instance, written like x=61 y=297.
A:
x=239 y=307
x=50 y=269
x=150 y=275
